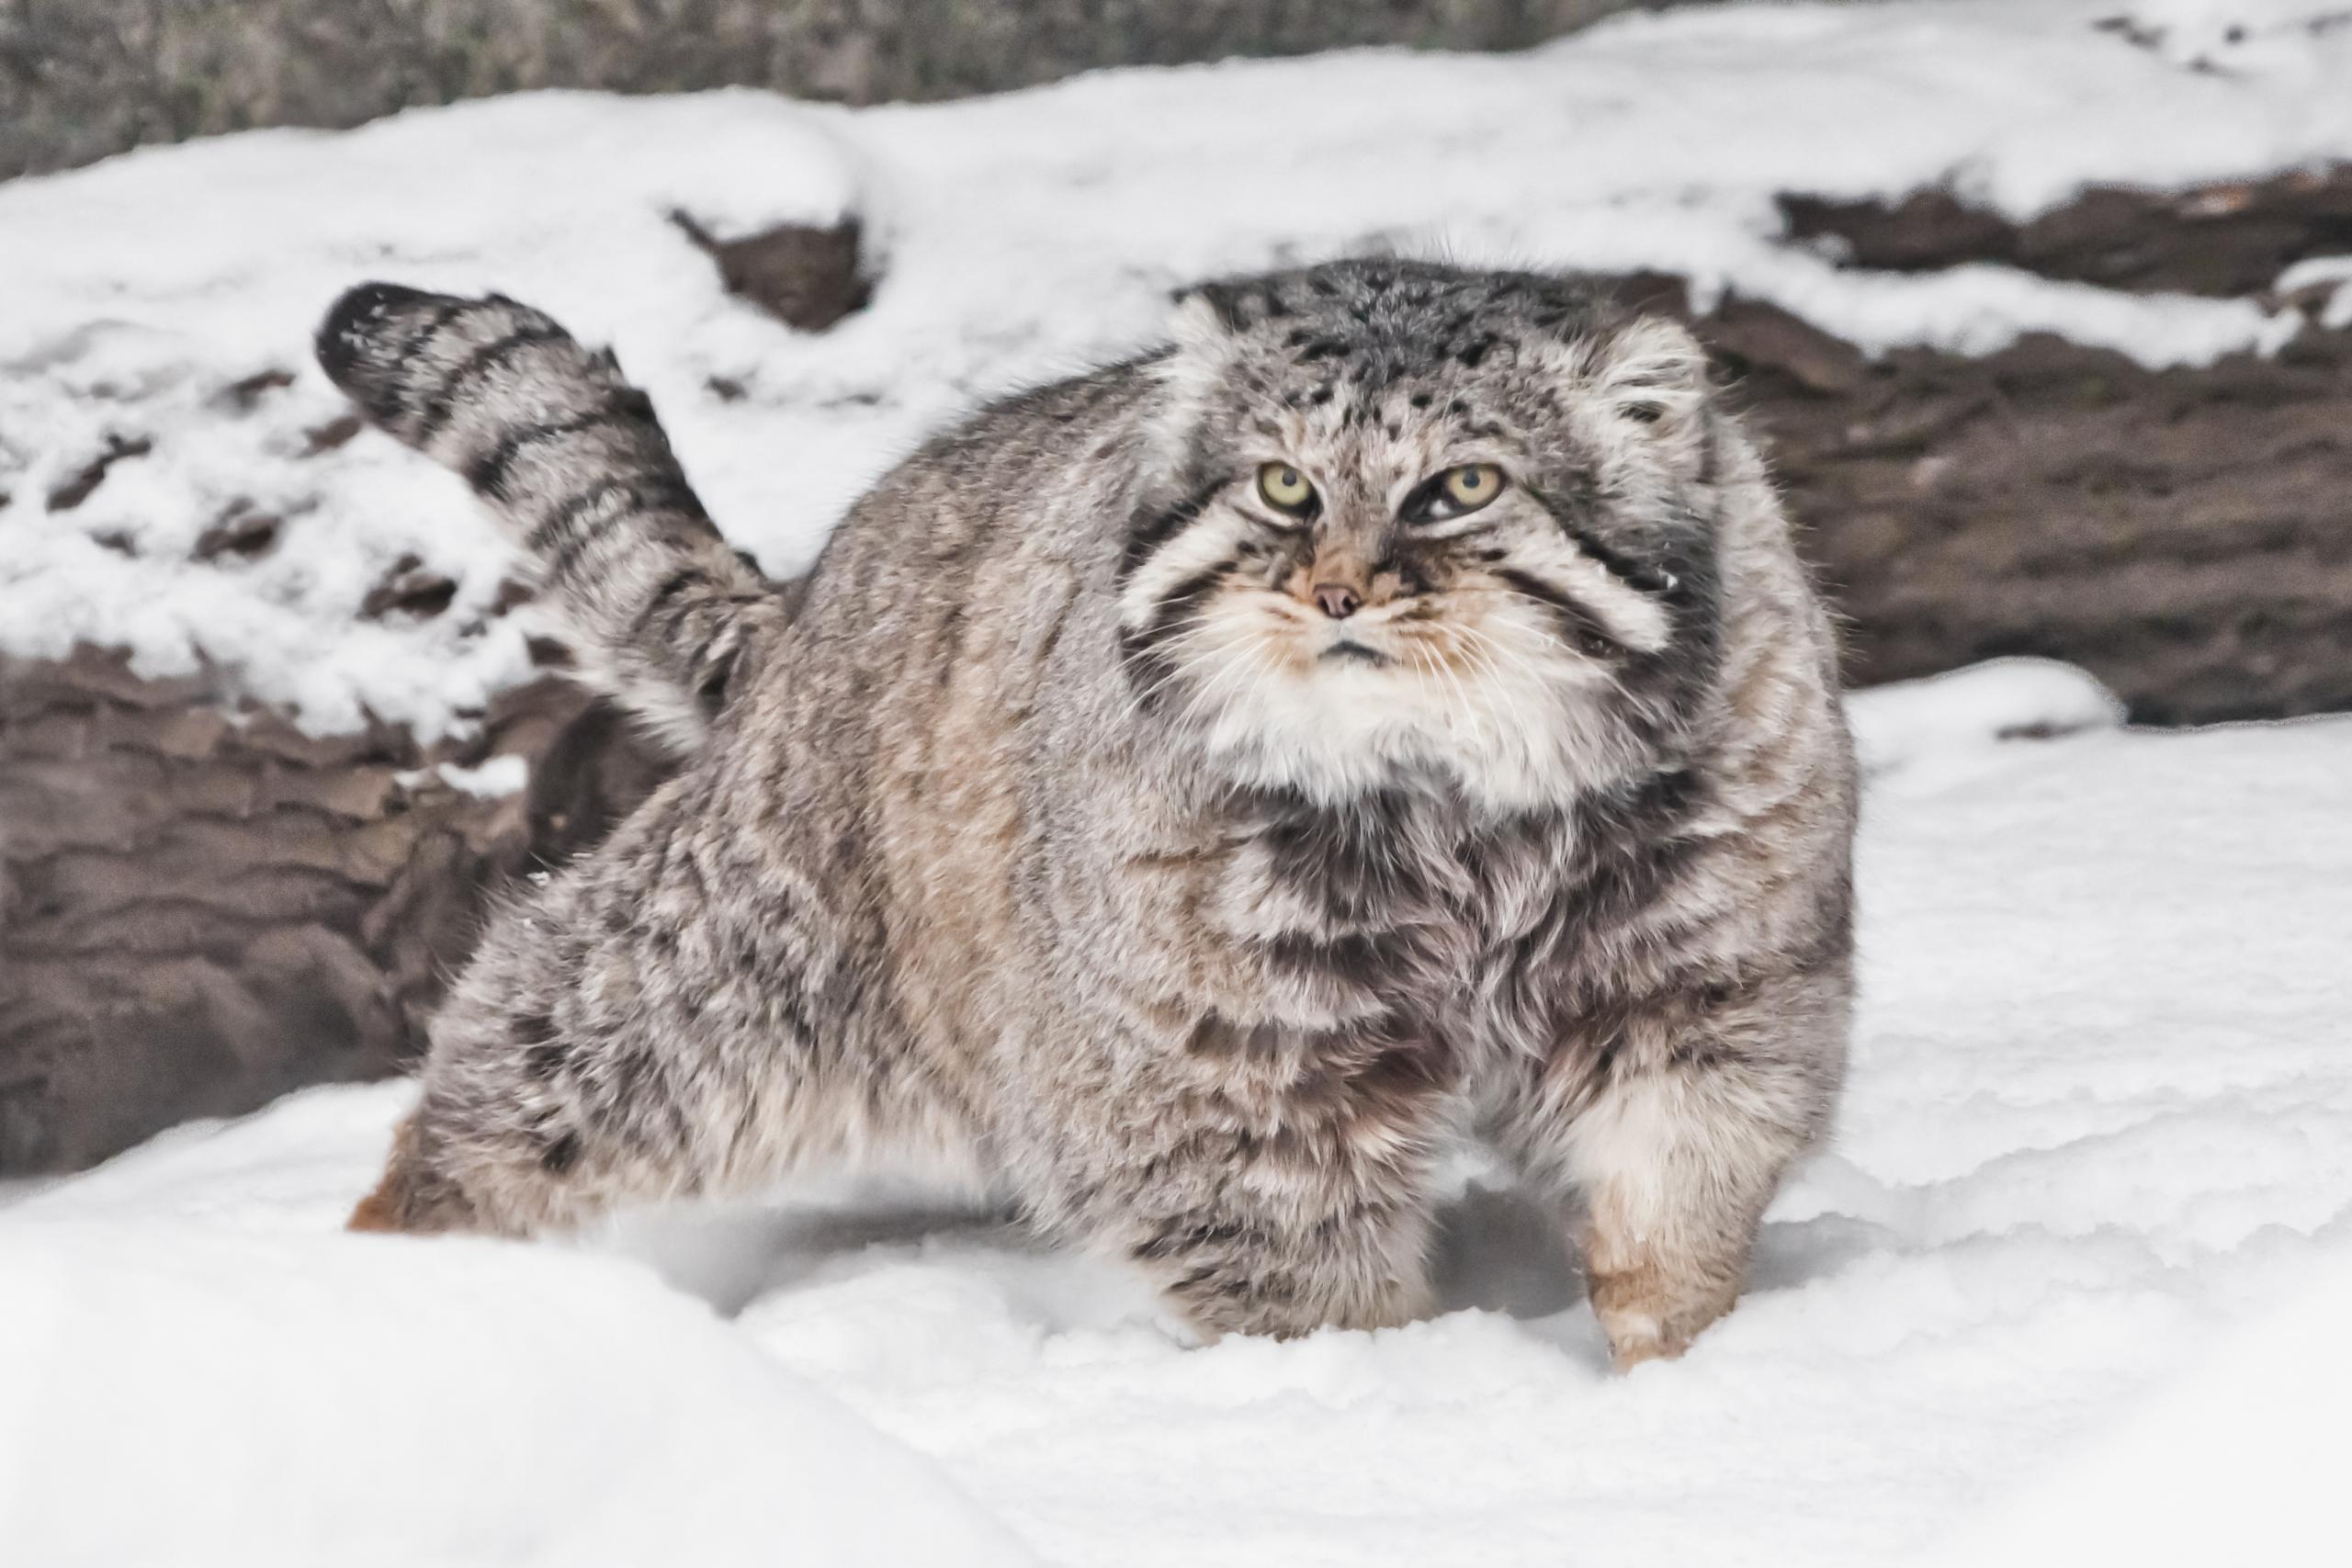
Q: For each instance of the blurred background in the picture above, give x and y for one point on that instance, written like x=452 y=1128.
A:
x=99 y=77
x=2089 y=399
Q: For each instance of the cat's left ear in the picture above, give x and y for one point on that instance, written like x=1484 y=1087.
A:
x=1200 y=326
x=1648 y=383
x=1204 y=344
x=1223 y=307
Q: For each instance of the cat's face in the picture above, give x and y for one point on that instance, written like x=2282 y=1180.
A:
x=1412 y=523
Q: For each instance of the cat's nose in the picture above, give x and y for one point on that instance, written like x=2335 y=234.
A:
x=1337 y=600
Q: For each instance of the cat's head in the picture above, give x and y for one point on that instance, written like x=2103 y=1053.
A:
x=1404 y=521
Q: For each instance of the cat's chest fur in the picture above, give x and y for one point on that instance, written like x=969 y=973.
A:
x=1403 y=916
x=1385 y=913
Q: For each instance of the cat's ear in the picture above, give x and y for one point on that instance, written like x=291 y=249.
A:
x=1203 y=320
x=1652 y=371
x=1647 y=384
x=1204 y=345
x=1205 y=329
x=1229 y=306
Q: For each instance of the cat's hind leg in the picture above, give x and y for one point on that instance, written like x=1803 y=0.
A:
x=675 y=1015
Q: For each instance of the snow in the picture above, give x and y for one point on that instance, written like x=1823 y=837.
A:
x=182 y=1395
x=499 y=776
x=2259 y=1425
x=2315 y=273
x=2230 y=34
x=2100 y=1129
x=1018 y=238
x=1950 y=717
x=2101 y=1121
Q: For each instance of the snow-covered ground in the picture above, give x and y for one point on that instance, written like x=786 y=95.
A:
x=2100 y=1119
x=1018 y=237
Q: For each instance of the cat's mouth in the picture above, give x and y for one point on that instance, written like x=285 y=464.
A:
x=1347 y=650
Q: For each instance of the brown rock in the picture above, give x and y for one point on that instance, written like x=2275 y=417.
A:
x=804 y=277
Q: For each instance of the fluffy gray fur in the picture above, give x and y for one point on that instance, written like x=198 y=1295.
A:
x=1057 y=822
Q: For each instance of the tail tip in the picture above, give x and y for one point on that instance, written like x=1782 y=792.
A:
x=356 y=322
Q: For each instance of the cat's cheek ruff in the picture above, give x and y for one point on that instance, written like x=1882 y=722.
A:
x=1530 y=730
x=1209 y=537
x=1592 y=596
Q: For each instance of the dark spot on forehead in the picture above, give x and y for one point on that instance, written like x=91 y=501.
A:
x=1384 y=334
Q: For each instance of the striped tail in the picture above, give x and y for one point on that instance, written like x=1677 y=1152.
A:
x=572 y=459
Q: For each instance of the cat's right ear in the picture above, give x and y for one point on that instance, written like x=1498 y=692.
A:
x=1235 y=305
x=1199 y=323
x=1204 y=344
x=1204 y=328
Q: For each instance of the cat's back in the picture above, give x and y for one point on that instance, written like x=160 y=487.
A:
x=1033 y=479
x=906 y=715
x=933 y=602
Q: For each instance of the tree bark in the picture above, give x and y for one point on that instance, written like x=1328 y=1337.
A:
x=201 y=908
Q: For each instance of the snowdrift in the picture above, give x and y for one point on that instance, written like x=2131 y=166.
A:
x=2101 y=1113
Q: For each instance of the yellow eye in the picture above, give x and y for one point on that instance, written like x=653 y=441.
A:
x=1286 y=488
x=1472 y=485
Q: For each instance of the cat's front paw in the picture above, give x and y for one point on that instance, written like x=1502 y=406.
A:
x=1647 y=1323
